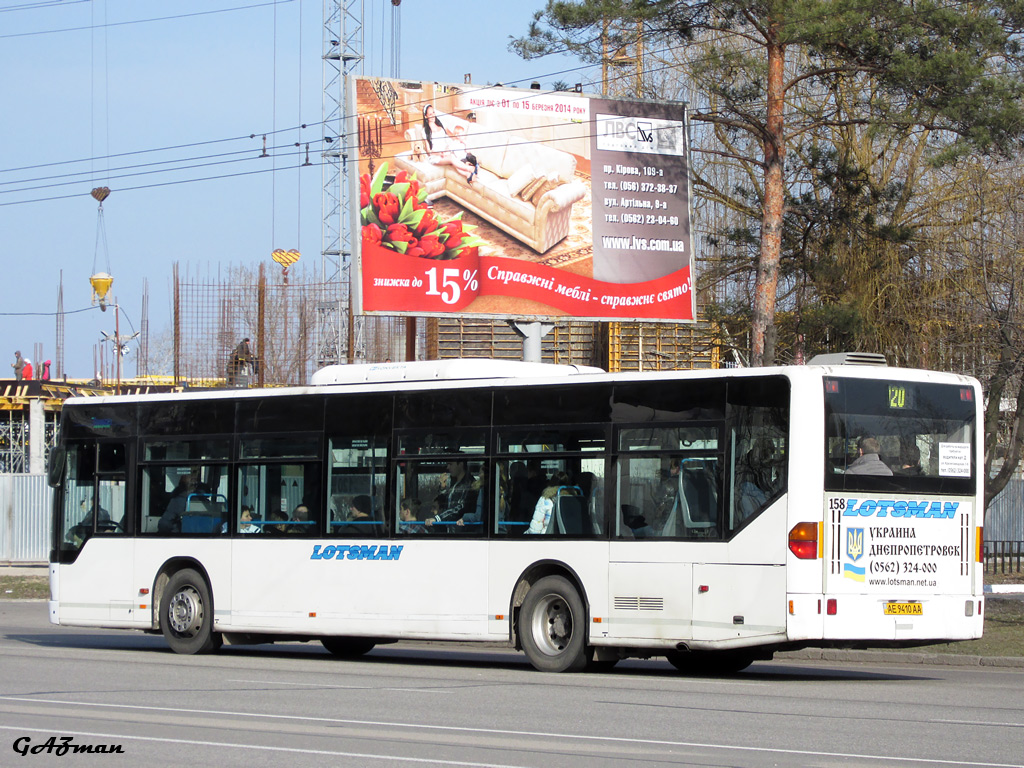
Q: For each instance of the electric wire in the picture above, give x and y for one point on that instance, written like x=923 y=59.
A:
x=147 y=21
x=702 y=115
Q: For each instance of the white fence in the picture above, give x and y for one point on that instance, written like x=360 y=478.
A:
x=1004 y=518
x=24 y=518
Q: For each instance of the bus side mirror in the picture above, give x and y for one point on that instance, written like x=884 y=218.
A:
x=55 y=466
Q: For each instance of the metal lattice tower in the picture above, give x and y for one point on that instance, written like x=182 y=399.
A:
x=343 y=54
x=342 y=337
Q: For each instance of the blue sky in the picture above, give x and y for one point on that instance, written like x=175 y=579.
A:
x=122 y=77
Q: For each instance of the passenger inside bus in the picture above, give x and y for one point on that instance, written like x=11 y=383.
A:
x=868 y=461
x=408 y=516
x=479 y=487
x=79 y=533
x=302 y=522
x=457 y=497
x=544 y=519
x=910 y=461
x=245 y=524
x=277 y=524
x=170 y=520
x=360 y=517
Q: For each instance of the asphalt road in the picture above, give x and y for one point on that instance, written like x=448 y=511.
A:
x=439 y=704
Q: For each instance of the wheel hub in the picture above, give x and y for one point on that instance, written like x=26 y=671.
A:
x=186 y=612
x=556 y=631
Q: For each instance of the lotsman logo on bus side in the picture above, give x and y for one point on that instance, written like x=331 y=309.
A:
x=892 y=508
x=356 y=552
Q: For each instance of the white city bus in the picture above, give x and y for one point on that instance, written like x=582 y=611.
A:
x=711 y=517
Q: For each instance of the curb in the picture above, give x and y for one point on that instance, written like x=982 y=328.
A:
x=897 y=657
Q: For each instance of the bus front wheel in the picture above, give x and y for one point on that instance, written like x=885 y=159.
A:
x=186 y=614
x=552 y=628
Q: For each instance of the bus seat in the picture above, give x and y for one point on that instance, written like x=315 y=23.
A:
x=569 y=512
x=203 y=513
x=192 y=522
x=700 y=496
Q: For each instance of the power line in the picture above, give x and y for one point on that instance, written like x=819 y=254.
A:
x=144 y=21
x=705 y=115
x=49 y=314
x=40 y=4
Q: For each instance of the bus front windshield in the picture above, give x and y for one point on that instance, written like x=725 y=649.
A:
x=899 y=436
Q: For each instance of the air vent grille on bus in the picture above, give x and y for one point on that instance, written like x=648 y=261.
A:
x=639 y=603
x=849 y=358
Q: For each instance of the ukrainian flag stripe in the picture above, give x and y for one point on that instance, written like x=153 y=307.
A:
x=853 y=572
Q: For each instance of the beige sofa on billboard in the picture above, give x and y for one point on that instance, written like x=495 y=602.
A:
x=524 y=188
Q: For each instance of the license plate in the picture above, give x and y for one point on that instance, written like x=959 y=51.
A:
x=904 y=609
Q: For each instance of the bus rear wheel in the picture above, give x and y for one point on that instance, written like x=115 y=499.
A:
x=710 y=662
x=186 y=614
x=347 y=647
x=552 y=628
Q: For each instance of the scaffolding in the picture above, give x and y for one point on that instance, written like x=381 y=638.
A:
x=212 y=315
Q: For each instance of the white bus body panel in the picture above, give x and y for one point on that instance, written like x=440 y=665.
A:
x=396 y=588
x=98 y=589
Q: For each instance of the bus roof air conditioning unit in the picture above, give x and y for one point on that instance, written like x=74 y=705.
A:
x=849 y=358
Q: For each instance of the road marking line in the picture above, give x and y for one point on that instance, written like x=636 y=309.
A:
x=195 y=743
x=508 y=732
x=976 y=722
x=343 y=687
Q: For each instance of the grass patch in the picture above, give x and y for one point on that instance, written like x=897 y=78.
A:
x=24 y=588
x=1005 y=578
x=1003 y=635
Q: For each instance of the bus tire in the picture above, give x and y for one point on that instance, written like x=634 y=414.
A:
x=552 y=626
x=348 y=647
x=186 y=614
x=710 y=662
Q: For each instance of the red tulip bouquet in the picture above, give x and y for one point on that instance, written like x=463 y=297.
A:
x=399 y=218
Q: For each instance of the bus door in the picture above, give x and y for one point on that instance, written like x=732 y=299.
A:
x=739 y=582
x=94 y=533
x=667 y=513
x=438 y=582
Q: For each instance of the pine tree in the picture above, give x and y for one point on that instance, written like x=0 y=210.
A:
x=933 y=64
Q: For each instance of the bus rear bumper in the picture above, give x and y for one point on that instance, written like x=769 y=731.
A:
x=906 y=619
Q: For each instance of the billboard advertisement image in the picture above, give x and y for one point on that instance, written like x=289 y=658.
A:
x=499 y=202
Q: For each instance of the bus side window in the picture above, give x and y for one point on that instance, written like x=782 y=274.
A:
x=110 y=473
x=78 y=495
x=357 y=478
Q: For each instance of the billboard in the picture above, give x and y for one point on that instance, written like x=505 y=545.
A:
x=510 y=203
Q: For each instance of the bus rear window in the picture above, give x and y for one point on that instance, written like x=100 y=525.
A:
x=901 y=436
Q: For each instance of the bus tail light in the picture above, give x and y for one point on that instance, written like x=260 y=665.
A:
x=831 y=606
x=979 y=546
x=803 y=541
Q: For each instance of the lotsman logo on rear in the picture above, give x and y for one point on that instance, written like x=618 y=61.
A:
x=892 y=508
